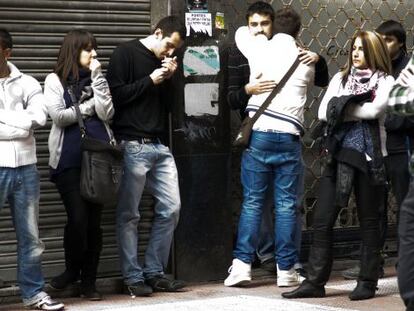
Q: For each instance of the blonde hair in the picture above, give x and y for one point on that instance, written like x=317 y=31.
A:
x=375 y=50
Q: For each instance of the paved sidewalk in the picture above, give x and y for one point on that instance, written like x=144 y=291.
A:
x=261 y=295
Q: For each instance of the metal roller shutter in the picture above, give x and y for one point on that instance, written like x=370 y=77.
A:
x=38 y=28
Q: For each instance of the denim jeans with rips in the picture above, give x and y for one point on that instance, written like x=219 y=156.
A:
x=272 y=160
x=151 y=166
x=20 y=187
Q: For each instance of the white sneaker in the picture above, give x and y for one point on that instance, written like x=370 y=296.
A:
x=46 y=303
x=287 y=278
x=240 y=274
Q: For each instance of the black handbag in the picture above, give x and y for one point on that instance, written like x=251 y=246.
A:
x=242 y=139
x=101 y=164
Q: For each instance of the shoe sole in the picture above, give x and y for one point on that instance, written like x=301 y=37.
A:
x=288 y=284
x=240 y=283
x=91 y=299
x=349 y=277
x=60 y=289
x=127 y=292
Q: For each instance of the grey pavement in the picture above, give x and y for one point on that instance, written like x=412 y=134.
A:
x=262 y=294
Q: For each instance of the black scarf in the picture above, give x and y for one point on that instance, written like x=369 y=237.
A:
x=80 y=86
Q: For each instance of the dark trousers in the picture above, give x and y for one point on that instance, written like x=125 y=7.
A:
x=399 y=178
x=368 y=198
x=405 y=269
x=82 y=236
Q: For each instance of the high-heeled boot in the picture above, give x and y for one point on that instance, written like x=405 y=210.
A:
x=319 y=269
x=368 y=276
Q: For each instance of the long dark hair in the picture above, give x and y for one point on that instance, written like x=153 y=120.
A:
x=74 y=42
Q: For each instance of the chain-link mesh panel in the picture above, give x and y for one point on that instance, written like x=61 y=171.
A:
x=327 y=28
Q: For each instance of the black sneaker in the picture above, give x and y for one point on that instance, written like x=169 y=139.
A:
x=381 y=273
x=90 y=292
x=138 y=289
x=46 y=303
x=351 y=273
x=63 y=280
x=160 y=283
x=302 y=272
x=269 y=265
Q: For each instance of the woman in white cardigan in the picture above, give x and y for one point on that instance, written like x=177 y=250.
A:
x=358 y=96
x=77 y=69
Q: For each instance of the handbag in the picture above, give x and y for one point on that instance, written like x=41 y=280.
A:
x=242 y=139
x=101 y=164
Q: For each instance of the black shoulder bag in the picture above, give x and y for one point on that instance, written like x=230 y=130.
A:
x=242 y=139
x=101 y=166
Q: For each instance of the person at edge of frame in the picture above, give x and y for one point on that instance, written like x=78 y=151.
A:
x=22 y=109
x=401 y=102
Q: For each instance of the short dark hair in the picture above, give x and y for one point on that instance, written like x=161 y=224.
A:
x=393 y=28
x=288 y=21
x=6 y=41
x=261 y=8
x=171 y=24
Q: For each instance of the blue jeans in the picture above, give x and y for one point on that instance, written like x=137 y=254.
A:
x=20 y=187
x=273 y=160
x=266 y=247
x=153 y=166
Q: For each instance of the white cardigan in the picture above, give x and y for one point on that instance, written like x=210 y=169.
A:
x=100 y=103
x=369 y=110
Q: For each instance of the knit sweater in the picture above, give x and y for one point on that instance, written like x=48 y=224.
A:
x=141 y=108
x=100 y=104
x=22 y=108
x=272 y=59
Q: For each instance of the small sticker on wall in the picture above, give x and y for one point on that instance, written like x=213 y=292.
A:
x=197 y=5
x=201 y=99
x=198 y=23
x=201 y=60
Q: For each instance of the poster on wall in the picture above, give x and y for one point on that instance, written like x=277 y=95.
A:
x=199 y=23
x=197 y=5
x=201 y=99
x=201 y=61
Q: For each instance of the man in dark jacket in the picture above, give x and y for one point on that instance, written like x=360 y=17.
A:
x=401 y=101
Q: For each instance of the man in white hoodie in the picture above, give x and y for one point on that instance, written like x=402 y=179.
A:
x=22 y=108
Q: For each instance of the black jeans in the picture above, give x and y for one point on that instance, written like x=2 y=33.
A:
x=368 y=199
x=82 y=236
x=405 y=269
